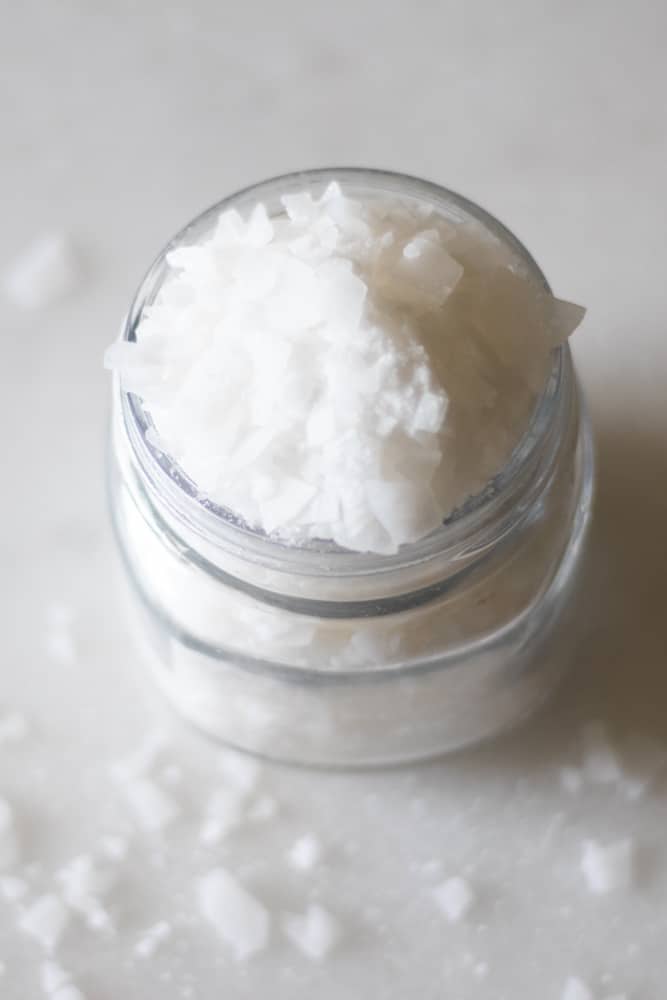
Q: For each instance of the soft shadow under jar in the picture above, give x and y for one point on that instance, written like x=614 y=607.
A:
x=319 y=655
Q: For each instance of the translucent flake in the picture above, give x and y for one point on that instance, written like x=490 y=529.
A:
x=237 y=916
x=576 y=989
x=315 y=933
x=305 y=852
x=10 y=846
x=610 y=868
x=46 y=920
x=45 y=272
x=454 y=898
x=153 y=939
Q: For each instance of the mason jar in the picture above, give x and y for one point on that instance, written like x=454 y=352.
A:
x=319 y=655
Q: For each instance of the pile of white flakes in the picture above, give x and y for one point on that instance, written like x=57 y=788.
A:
x=348 y=370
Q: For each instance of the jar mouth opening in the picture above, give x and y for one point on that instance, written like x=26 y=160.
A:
x=461 y=533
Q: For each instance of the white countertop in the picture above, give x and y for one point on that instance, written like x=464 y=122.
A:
x=121 y=121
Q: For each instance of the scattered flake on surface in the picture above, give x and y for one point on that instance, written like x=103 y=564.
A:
x=430 y=868
x=3 y=968
x=46 y=920
x=115 y=846
x=224 y=812
x=572 y=779
x=13 y=888
x=84 y=883
x=305 y=852
x=601 y=764
x=59 y=638
x=315 y=933
x=52 y=976
x=10 y=846
x=576 y=989
x=153 y=808
x=172 y=774
x=13 y=728
x=46 y=271
x=263 y=809
x=608 y=868
x=480 y=970
x=140 y=763
x=68 y=992
x=238 y=917
x=454 y=898
x=152 y=939
x=240 y=770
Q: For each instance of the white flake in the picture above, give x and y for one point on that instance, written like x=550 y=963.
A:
x=52 y=977
x=240 y=770
x=10 y=847
x=46 y=920
x=263 y=809
x=305 y=852
x=115 y=846
x=314 y=933
x=238 y=917
x=84 y=884
x=608 y=868
x=46 y=271
x=142 y=761
x=576 y=989
x=152 y=939
x=454 y=898
x=13 y=888
x=153 y=808
x=13 y=728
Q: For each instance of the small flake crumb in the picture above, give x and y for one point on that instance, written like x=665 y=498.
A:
x=10 y=847
x=44 y=272
x=576 y=989
x=172 y=774
x=263 y=809
x=115 y=846
x=84 y=883
x=224 y=812
x=152 y=939
x=52 y=976
x=240 y=770
x=140 y=763
x=238 y=917
x=607 y=868
x=315 y=933
x=481 y=970
x=13 y=888
x=46 y=920
x=305 y=852
x=13 y=728
x=454 y=898
x=68 y=992
x=153 y=808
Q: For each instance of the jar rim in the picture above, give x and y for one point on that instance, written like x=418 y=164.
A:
x=471 y=528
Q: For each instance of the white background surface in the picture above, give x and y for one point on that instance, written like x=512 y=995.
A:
x=119 y=122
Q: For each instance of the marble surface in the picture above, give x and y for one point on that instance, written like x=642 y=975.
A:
x=119 y=122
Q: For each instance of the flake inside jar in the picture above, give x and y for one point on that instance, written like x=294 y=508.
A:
x=398 y=340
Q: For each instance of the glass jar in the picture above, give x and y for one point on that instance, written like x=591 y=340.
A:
x=319 y=655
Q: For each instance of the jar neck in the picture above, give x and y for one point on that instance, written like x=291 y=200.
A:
x=330 y=582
